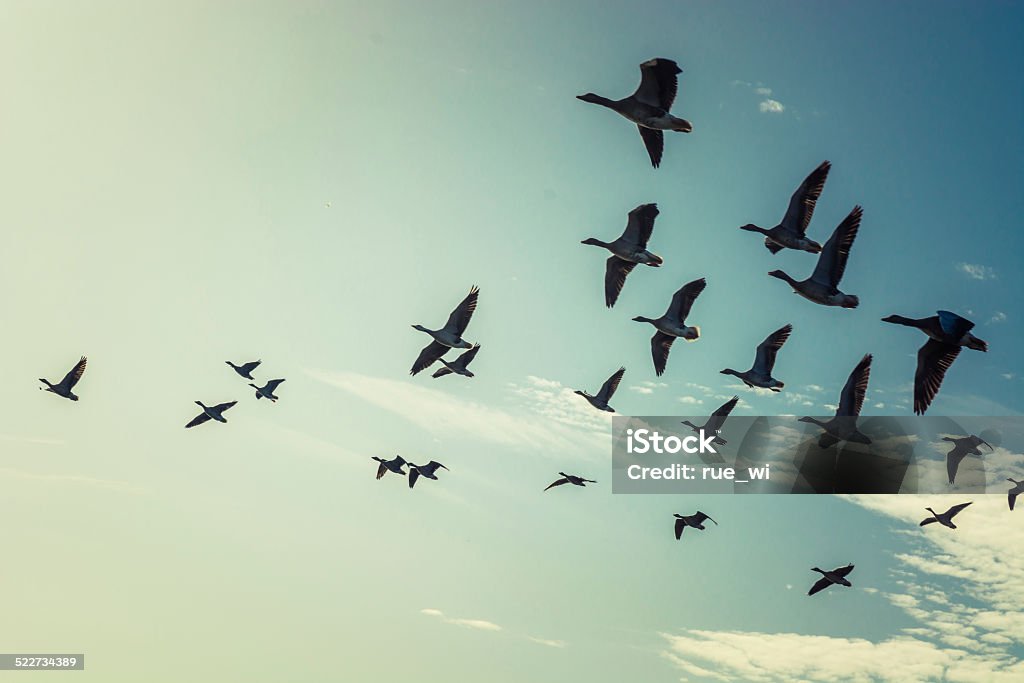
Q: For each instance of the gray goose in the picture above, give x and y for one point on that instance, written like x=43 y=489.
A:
x=628 y=250
x=822 y=287
x=245 y=369
x=1017 y=489
x=459 y=366
x=791 y=233
x=832 y=578
x=267 y=391
x=760 y=373
x=715 y=422
x=696 y=521
x=64 y=387
x=395 y=465
x=449 y=336
x=215 y=413
x=843 y=427
x=944 y=518
x=962 y=447
x=570 y=479
x=673 y=324
x=600 y=401
x=429 y=471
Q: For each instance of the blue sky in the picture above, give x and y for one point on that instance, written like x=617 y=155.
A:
x=168 y=172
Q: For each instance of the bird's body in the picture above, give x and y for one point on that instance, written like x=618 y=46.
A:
x=394 y=465
x=696 y=521
x=449 y=336
x=1017 y=489
x=63 y=388
x=267 y=390
x=649 y=106
x=715 y=422
x=944 y=518
x=245 y=369
x=822 y=287
x=215 y=413
x=570 y=479
x=843 y=427
x=429 y=471
x=791 y=232
x=832 y=578
x=672 y=324
x=459 y=366
x=962 y=447
x=760 y=373
x=628 y=250
x=600 y=400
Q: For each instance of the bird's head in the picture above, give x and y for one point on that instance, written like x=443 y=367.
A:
x=692 y=333
x=593 y=241
x=780 y=274
x=590 y=97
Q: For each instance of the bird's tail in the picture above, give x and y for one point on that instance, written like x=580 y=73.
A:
x=851 y=301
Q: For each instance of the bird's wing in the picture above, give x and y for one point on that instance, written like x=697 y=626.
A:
x=381 y=470
x=1011 y=498
x=953 y=459
x=764 y=359
x=819 y=585
x=683 y=300
x=198 y=420
x=680 y=527
x=954 y=325
x=414 y=474
x=956 y=509
x=801 y=204
x=557 y=482
x=640 y=225
x=221 y=407
x=615 y=274
x=933 y=359
x=659 y=80
x=700 y=516
x=610 y=385
x=833 y=256
x=927 y=521
x=75 y=374
x=249 y=367
x=273 y=384
x=467 y=357
x=717 y=419
x=441 y=372
x=430 y=353
x=772 y=246
x=661 y=344
x=843 y=571
x=462 y=314
x=654 y=141
x=851 y=399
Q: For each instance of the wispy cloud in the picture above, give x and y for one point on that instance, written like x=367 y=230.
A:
x=477 y=624
x=74 y=479
x=690 y=400
x=767 y=104
x=647 y=387
x=41 y=440
x=770 y=106
x=997 y=317
x=545 y=641
x=977 y=271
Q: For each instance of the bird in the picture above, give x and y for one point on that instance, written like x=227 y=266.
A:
x=429 y=471
x=245 y=369
x=570 y=479
x=822 y=287
x=673 y=324
x=628 y=250
x=843 y=427
x=715 y=422
x=696 y=520
x=836 y=576
x=394 y=465
x=945 y=518
x=791 y=233
x=459 y=366
x=64 y=387
x=267 y=391
x=449 y=336
x=962 y=447
x=600 y=401
x=210 y=413
x=649 y=106
x=947 y=334
x=760 y=374
x=1015 y=491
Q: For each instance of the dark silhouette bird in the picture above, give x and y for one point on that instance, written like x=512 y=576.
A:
x=843 y=427
x=715 y=422
x=649 y=106
x=822 y=287
x=459 y=366
x=760 y=374
x=449 y=336
x=962 y=447
x=210 y=413
x=696 y=520
x=945 y=518
x=64 y=387
x=386 y=466
x=947 y=334
x=245 y=369
x=628 y=250
x=600 y=401
x=834 y=577
x=429 y=471
x=791 y=233
x=673 y=324
x=267 y=391
x=570 y=479
x=1015 y=491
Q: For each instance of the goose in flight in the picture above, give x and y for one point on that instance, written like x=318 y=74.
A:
x=673 y=324
x=210 y=413
x=429 y=471
x=843 y=427
x=696 y=520
x=945 y=518
x=628 y=250
x=449 y=336
x=267 y=391
x=791 y=233
x=600 y=401
x=962 y=447
x=834 y=577
x=570 y=479
x=649 y=106
x=947 y=334
x=459 y=366
x=822 y=287
x=64 y=387
x=760 y=374
x=386 y=466
x=715 y=422
x=1015 y=491
x=245 y=369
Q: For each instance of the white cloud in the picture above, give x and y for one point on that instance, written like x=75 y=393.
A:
x=770 y=106
x=549 y=643
x=478 y=624
x=997 y=317
x=977 y=271
x=763 y=91
x=690 y=400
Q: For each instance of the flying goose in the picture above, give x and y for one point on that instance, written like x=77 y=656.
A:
x=64 y=387
x=962 y=447
x=715 y=422
x=1015 y=491
x=947 y=334
x=696 y=520
x=429 y=471
x=449 y=336
x=570 y=479
x=628 y=250
x=210 y=413
x=648 y=106
x=600 y=401
x=390 y=466
x=673 y=323
x=791 y=233
x=843 y=427
x=245 y=369
x=760 y=374
x=459 y=366
x=945 y=518
x=836 y=576
x=267 y=391
x=822 y=287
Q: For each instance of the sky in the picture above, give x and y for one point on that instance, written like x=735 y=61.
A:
x=300 y=182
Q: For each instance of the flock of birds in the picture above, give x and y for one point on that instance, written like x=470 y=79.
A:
x=649 y=108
